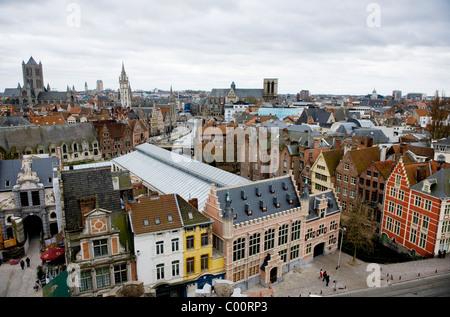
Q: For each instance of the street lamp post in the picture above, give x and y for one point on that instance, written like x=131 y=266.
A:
x=339 y=259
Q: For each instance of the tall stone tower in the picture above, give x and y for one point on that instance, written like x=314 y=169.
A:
x=270 y=91
x=33 y=79
x=125 y=89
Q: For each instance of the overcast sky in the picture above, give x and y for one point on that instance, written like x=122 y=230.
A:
x=336 y=47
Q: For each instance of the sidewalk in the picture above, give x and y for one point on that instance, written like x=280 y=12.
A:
x=15 y=282
x=304 y=281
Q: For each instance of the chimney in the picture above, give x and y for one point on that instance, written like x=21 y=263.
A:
x=337 y=144
x=383 y=153
x=194 y=202
x=316 y=144
x=421 y=173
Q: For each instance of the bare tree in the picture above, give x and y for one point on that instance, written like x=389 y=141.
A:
x=440 y=109
x=359 y=231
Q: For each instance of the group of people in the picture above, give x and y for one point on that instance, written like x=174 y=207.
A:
x=22 y=263
x=323 y=275
x=441 y=254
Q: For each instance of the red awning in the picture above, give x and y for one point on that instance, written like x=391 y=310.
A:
x=52 y=253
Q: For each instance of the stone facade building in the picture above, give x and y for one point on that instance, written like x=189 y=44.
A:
x=26 y=193
x=266 y=228
x=97 y=241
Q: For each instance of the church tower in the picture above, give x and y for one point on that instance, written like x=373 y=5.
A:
x=125 y=89
x=33 y=79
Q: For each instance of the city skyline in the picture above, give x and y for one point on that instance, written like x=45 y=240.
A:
x=324 y=47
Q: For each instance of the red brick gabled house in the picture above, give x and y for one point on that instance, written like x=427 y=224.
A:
x=416 y=214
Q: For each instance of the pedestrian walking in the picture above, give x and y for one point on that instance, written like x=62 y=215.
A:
x=328 y=279
x=324 y=276
x=443 y=254
x=22 y=264
x=320 y=274
x=439 y=254
x=28 y=261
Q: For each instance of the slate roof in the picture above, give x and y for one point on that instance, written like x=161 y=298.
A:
x=440 y=184
x=22 y=136
x=333 y=207
x=14 y=121
x=250 y=192
x=168 y=172
x=84 y=183
x=377 y=135
x=42 y=166
x=52 y=95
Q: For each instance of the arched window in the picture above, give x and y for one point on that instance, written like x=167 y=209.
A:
x=64 y=148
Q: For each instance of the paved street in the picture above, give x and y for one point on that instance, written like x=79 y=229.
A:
x=304 y=281
x=15 y=282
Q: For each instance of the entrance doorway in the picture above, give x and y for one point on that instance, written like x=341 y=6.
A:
x=318 y=249
x=32 y=226
x=273 y=275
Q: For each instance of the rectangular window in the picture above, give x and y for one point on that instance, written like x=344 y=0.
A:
x=160 y=271
x=190 y=267
x=100 y=247
x=398 y=180
x=269 y=239
x=415 y=218
x=103 y=277
x=283 y=234
x=238 y=273
x=120 y=273
x=204 y=262
x=24 y=199
x=253 y=268
x=295 y=234
x=308 y=248
x=254 y=244
x=388 y=225
x=35 y=198
x=239 y=249
x=397 y=227
x=159 y=247
x=447 y=209
x=413 y=236
x=175 y=268
x=425 y=222
x=283 y=255
x=345 y=178
x=418 y=201
x=189 y=242
x=399 y=210
x=204 y=239
x=175 y=244
x=427 y=205
x=85 y=281
x=401 y=194
x=295 y=252
x=353 y=181
x=422 y=240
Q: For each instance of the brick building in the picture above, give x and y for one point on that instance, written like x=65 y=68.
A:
x=416 y=212
x=266 y=228
x=115 y=138
x=352 y=164
x=371 y=184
